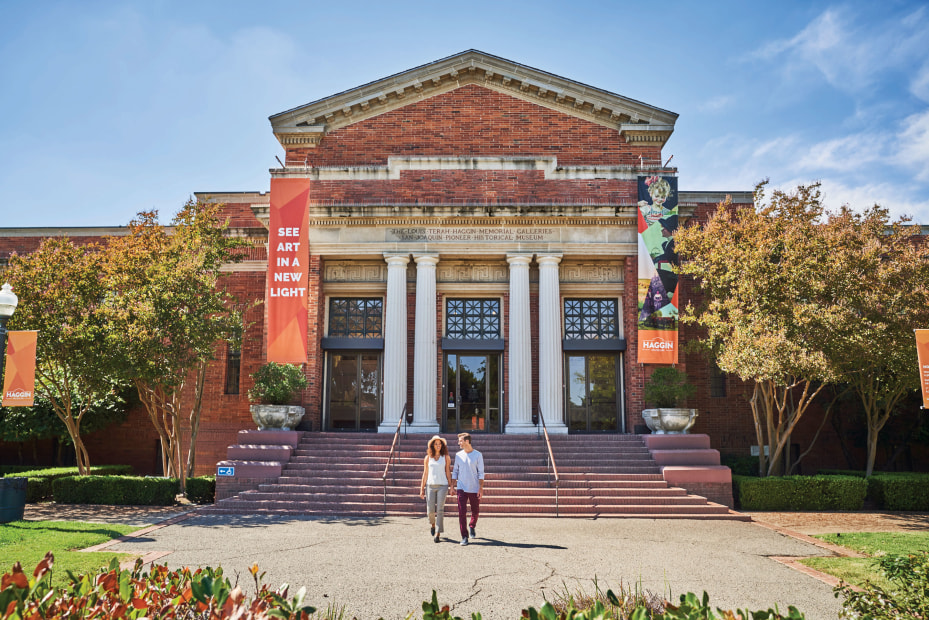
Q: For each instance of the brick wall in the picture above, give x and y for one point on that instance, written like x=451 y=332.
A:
x=472 y=121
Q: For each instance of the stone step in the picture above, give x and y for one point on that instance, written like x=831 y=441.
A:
x=514 y=509
x=488 y=500
x=541 y=489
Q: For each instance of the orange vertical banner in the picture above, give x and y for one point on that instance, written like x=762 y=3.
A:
x=288 y=262
x=19 y=377
x=922 y=355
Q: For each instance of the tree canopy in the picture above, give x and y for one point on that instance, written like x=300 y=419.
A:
x=61 y=294
x=796 y=297
x=766 y=273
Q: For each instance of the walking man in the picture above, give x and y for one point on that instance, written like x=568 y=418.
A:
x=468 y=475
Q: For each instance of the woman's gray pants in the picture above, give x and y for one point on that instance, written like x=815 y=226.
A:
x=435 y=497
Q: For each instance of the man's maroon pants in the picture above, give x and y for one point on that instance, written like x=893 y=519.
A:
x=464 y=499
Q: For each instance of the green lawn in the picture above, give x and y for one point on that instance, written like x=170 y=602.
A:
x=875 y=544
x=27 y=542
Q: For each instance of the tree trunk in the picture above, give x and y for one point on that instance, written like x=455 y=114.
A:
x=195 y=421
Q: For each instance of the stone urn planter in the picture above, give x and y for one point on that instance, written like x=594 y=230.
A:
x=669 y=420
x=667 y=389
x=277 y=417
x=276 y=386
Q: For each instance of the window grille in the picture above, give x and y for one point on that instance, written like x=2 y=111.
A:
x=356 y=317
x=590 y=319
x=472 y=319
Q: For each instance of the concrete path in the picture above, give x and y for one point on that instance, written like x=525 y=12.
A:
x=387 y=567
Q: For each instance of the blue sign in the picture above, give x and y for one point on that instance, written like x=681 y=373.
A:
x=225 y=471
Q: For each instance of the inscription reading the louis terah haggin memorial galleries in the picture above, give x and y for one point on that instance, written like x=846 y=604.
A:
x=476 y=234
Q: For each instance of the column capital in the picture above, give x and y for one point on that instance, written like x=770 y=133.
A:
x=396 y=260
x=425 y=259
x=519 y=259
x=550 y=258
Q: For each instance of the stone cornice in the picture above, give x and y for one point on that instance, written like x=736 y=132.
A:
x=305 y=126
x=548 y=165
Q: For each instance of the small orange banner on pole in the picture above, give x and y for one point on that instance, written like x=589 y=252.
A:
x=19 y=377
x=922 y=355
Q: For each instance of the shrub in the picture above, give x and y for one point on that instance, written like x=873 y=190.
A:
x=202 y=490
x=39 y=487
x=900 y=492
x=906 y=598
x=667 y=387
x=800 y=492
x=117 y=490
x=741 y=465
x=276 y=384
x=162 y=593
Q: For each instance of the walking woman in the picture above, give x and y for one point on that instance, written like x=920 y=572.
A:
x=437 y=477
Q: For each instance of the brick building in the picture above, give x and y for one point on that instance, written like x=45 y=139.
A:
x=472 y=259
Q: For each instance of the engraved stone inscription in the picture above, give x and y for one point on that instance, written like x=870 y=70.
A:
x=473 y=234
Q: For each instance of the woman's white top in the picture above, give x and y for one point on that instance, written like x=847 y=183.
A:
x=437 y=472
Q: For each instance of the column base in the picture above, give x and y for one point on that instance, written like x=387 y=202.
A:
x=521 y=428
x=556 y=428
x=423 y=427
x=388 y=427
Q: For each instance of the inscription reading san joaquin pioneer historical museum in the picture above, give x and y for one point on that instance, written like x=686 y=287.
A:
x=476 y=234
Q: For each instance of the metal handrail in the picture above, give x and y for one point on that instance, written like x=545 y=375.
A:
x=390 y=455
x=551 y=467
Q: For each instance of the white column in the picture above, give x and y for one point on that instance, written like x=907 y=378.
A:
x=520 y=352
x=394 y=342
x=551 y=362
x=425 y=375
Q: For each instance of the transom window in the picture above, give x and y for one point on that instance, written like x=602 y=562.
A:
x=356 y=317
x=472 y=319
x=590 y=319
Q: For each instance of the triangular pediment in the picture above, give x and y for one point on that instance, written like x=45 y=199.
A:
x=638 y=122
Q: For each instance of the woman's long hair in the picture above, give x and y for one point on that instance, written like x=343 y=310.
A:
x=442 y=450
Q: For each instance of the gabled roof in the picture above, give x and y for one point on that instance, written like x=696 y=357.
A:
x=638 y=122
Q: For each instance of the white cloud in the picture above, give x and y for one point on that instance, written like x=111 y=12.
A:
x=846 y=154
x=716 y=104
x=914 y=144
x=919 y=85
x=851 y=51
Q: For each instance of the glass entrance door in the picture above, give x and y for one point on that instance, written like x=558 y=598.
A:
x=354 y=391
x=591 y=393
x=472 y=404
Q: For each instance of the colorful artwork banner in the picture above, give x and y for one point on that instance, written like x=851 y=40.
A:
x=288 y=262
x=922 y=356
x=19 y=375
x=657 y=283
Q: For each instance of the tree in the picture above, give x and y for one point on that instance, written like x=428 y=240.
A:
x=32 y=424
x=881 y=296
x=167 y=313
x=61 y=293
x=768 y=311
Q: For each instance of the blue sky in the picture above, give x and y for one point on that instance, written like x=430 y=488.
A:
x=109 y=108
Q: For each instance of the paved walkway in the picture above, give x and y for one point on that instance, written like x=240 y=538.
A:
x=388 y=566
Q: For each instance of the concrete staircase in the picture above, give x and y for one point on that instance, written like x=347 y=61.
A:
x=339 y=474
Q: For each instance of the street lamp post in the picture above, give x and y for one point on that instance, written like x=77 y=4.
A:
x=8 y=302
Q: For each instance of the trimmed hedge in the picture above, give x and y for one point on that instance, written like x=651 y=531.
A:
x=896 y=492
x=39 y=487
x=131 y=490
x=800 y=492
x=202 y=490
x=116 y=490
